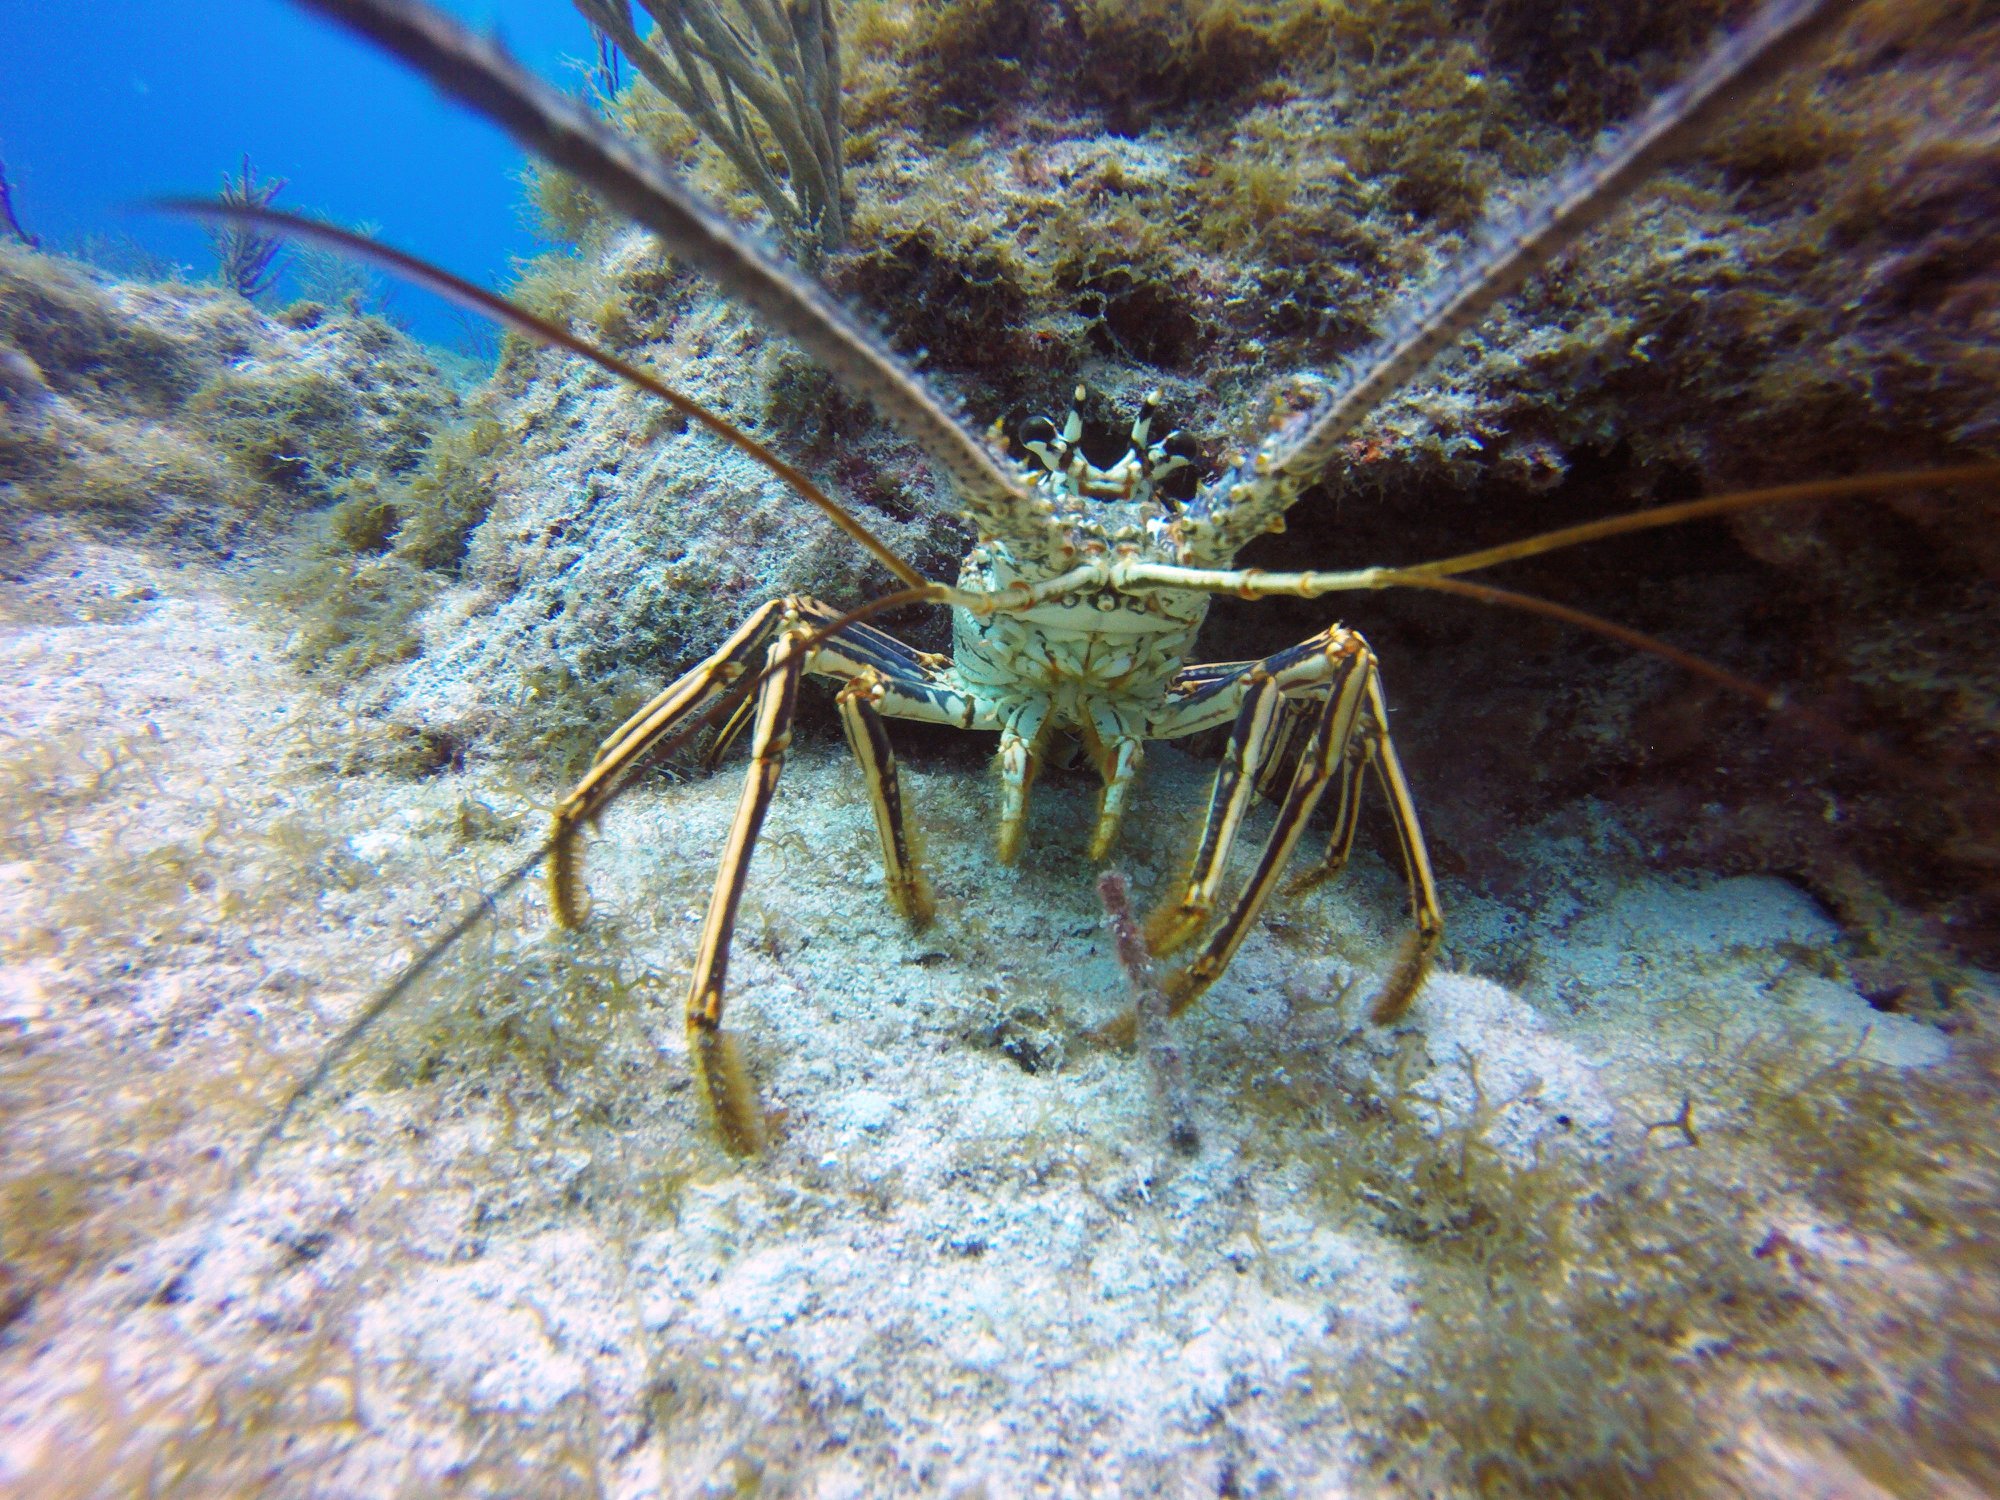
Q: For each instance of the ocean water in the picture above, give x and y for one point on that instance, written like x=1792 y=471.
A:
x=107 y=105
x=332 y=1163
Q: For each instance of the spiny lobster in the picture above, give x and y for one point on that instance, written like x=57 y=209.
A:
x=1079 y=604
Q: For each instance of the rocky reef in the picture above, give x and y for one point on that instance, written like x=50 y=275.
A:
x=1202 y=198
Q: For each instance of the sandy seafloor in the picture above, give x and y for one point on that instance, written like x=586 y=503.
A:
x=500 y=1254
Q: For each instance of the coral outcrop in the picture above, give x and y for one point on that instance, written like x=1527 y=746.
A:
x=183 y=413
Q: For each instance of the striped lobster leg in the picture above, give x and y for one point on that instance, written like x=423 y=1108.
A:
x=868 y=736
x=1279 y=702
x=1243 y=757
x=1399 y=990
x=752 y=682
x=713 y=690
x=1333 y=678
x=725 y=1083
x=887 y=678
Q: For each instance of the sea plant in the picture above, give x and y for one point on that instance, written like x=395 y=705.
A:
x=10 y=222
x=753 y=76
x=245 y=256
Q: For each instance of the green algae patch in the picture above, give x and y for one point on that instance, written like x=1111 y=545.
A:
x=74 y=327
x=357 y=400
x=449 y=494
x=181 y=413
x=352 y=580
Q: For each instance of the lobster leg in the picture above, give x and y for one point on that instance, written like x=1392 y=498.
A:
x=868 y=737
x=726 y=1088
x=1427 y=930
x=711 y=689
x=1019 y=759
x=725 y=1084
x=751 y=682
x=1318 y=674
x=723 y=689
x=1332 y=737
x=1280 y=703
x=1235 y=784
x=738 y=707
x=1346 y=818
x=1346 y=665
x=1119 y=750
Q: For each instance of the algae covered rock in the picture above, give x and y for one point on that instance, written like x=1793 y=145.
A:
x=183 y=412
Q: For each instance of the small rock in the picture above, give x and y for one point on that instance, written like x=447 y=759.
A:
x=869 y=1109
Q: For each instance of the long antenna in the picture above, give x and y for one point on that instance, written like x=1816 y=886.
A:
x=1771 y=700
x=1519 y=241
x=1244 y=501
x=1698 y=510
x=511 y=315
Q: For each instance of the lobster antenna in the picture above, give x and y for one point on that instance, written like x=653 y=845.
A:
x=1313 y=584
x=380 y=1006
x=1437 y=576
x=1517 y=242
x=1697 y=510
x=480 y=74
x=511 y=315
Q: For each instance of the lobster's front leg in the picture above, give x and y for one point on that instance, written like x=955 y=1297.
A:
x=752 y=682
x=868 y=737
x=725 y=1084
x=1427 y=925
x=1281 y=700
x=710 y=690
x=1354 y=722
x=1349 y=665
x=1118 y=747
x=1019 y=759
x=1176 y=922
x=1349 y=735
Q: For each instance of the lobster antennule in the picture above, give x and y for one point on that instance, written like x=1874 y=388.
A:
x=480 y=74
x=1253 y=583
x=1851 y=486
x=1769 y=700
x=1439 y=576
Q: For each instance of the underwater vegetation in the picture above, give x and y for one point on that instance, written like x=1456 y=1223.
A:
x=784 y=65
x=318 y=440
x=1571 y=1241
x=245 y=260
x=9 y=220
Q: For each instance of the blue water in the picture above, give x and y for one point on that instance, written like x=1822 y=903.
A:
x=107 y=103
